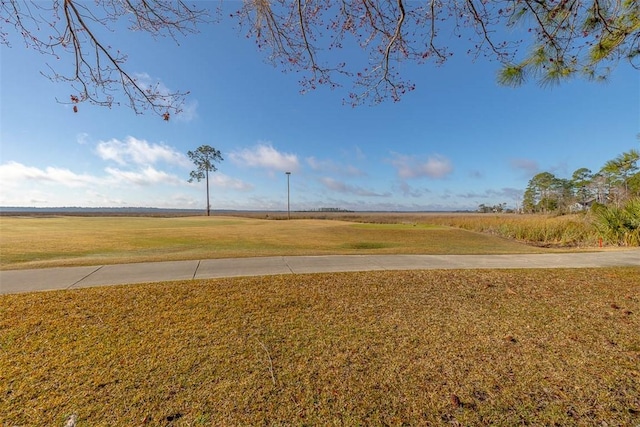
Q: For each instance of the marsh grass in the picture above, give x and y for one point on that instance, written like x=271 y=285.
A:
x=66 y=241
x=568 y=231
x=510 y=347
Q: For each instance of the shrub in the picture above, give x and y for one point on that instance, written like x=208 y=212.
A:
x=619 y=225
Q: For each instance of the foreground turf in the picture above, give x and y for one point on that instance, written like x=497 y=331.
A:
x=515 y=347
x=36 y=242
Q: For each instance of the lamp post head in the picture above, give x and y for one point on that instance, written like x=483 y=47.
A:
x=288 y=173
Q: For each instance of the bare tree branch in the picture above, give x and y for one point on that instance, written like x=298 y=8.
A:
x=99 y=76
x=555 y=39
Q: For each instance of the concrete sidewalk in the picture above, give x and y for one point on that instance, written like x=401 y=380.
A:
x=15 y=281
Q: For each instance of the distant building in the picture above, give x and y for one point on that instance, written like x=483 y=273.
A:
x=581 y=206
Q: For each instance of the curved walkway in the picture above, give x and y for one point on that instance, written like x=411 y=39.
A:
x=16 y=281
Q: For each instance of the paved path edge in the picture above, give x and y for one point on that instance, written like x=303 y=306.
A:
x=18 y=281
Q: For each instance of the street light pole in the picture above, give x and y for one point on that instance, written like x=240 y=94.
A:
x=288 y=198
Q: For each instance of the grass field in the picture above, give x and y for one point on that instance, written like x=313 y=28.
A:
x=35 y=242
x=507 y=347
x=511 y=347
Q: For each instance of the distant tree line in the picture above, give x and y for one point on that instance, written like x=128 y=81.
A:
x=613 y=185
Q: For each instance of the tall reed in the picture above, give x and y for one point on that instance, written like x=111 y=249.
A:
x=544 y=230
x=615 y=226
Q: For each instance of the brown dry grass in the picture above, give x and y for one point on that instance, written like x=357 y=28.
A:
x=538 y=229
x=514 y=347
x=35 y=242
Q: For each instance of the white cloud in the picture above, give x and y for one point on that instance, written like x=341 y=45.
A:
x=528 y=166
x=476 y=174
x=133 y=180
x=331 y=166
x=14 y=174
x=354 y=153
x=503 y=193
x=436 y=166
x=342 y=187
x=189 y=112
x=145 y=176
x=319 y=165
x=139 y=152
x=265 y=156
x=82 y=138
x=148 y=83
x=225 y=181
x=512 y=193
x=406 y=190
x=359 y=154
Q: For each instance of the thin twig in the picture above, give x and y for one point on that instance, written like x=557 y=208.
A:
x=266 y=350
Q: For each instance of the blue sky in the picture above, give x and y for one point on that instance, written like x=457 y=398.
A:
x=457 y=141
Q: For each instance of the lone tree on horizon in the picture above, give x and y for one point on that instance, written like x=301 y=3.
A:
x=204 y=158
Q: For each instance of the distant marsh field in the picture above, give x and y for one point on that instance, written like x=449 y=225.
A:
x=36 y=242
